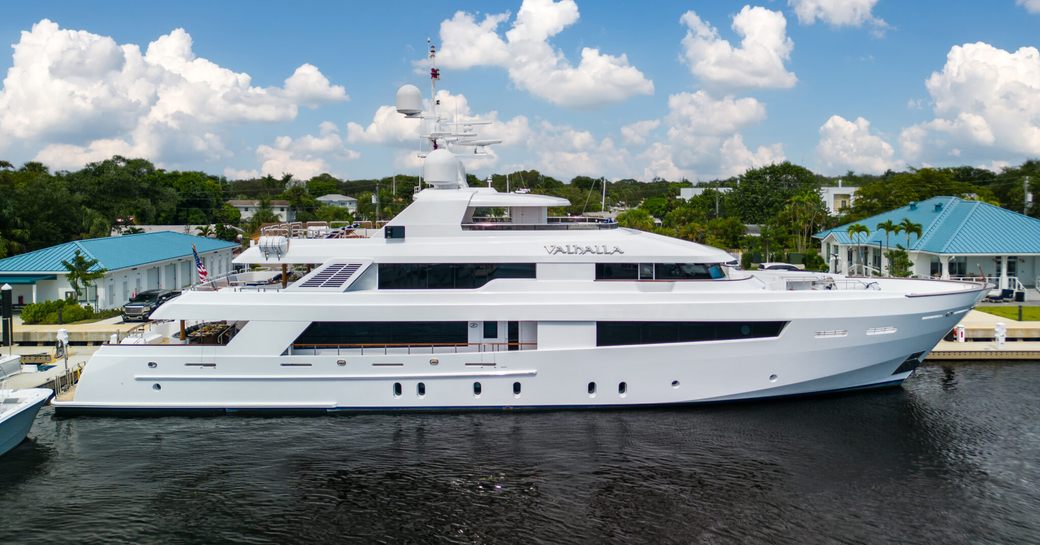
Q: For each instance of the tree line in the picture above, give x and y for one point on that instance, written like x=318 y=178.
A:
x=41 y=208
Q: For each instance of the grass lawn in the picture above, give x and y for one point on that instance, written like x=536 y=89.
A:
x=1028 y=313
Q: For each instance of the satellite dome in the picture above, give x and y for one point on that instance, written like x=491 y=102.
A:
x=443 y=170
x=409 y=101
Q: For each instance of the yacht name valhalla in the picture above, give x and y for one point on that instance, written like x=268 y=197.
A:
x=453 y=305
x=578 y=249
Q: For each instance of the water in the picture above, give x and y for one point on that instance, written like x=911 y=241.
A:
x=952 y=457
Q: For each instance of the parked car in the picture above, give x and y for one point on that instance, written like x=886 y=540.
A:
x=141 y=306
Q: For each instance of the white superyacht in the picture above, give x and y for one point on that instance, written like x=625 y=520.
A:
x=475 y=299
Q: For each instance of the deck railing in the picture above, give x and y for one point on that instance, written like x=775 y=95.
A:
x=560 y=223
x=407 y=348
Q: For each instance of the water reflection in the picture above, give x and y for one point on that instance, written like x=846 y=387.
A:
x=926 y=463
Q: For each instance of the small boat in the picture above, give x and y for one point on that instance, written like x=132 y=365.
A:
x=18 y=409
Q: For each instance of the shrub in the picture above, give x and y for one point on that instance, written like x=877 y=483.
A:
x=47 y=312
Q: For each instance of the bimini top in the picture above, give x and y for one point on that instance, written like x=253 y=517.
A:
x=950 y=225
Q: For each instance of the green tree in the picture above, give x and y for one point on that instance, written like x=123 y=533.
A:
x=889 y=227
x=859 y=233
x=763 y=192
x=636 y=218
x=205 y=231
x=83 y=271
x=806 y=213
x=910 y=228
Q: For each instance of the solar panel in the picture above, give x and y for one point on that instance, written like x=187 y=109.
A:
x=334 y=276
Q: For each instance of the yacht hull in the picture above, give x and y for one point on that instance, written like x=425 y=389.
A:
x=810 y=356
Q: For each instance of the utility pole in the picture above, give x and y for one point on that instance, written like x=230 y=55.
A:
x=395 y=185
x=603 y=203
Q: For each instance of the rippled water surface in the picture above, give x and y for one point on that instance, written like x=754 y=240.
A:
x=951 y=457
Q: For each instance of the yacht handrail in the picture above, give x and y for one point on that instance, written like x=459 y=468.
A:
x=386 y=347
x=562 y=223
x=1013 y=282
x=320 y=229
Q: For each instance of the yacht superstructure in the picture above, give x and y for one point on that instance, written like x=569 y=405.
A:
x=472 y=298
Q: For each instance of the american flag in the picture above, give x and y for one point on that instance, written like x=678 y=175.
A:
x=203 y=274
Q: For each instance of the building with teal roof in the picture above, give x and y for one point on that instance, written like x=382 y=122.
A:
x=959 y=238
x=133 y=263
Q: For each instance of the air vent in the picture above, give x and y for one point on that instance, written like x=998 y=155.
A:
x=333 y=276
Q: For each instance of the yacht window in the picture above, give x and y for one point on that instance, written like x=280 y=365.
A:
x=687 y=271
x=617 y=271
x=630 y=333
x=659 y=271
x=383 y=333
x=419 y=276
x=490 y=330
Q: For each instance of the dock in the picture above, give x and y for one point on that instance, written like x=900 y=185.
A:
x=1023 y=342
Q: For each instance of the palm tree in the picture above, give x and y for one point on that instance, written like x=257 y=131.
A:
x=910 y=228
x=856 y=230
x=889 y=227
x=204 y=231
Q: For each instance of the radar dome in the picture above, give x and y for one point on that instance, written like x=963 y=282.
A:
x=443 y=170
x=409 y=101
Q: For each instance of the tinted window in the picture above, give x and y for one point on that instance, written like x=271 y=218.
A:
x=617 y=271
x=412 y=276
x=659 y=271
x=490 y=330
x=626 y=333
x=353 y=333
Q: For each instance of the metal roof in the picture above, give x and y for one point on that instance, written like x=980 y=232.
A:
x=25 y=278
x=954 y=226
x=114 y=253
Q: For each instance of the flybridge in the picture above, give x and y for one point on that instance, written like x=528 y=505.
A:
x=579 y=249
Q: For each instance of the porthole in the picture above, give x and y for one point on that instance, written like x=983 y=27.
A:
x=156 y=387
x=397 y=389
x=745 y=329
x=477 y=389
x=516 y=389
x=592 y=388
x=420 y=389
x=341 y=363
x=675 y=384
x=772 y=378
x=152 y=365
x=622 y=388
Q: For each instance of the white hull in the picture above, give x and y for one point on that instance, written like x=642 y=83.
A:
x=800 y=361
x=17 y=415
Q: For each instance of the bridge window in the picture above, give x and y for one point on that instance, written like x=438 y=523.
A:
x=420 y=276
x=631 y=333
x=659 y=271
x=390 y=333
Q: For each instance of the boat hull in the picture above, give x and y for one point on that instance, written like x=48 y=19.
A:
x=15 y=425
x=810 y=356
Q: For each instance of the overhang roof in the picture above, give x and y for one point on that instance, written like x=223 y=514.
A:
x=113 y=253
x=952 y=226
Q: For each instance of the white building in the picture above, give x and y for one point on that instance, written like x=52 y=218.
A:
x=687 y=193
x=247 y=208
x=134 y=263
x=838 y=198
x=342 y=201
x=959 y=238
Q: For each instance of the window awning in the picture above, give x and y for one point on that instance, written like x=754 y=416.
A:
x=26 y=278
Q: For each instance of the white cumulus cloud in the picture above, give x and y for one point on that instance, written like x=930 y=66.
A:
x=985 y=107
x=533 y=63
x=78 y=96
x=757 y=62
x=636 y=133
x=1032 y=6
x=306 y=156
x=838 y=13
x=849 y=145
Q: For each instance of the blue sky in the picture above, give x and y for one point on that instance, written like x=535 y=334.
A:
x=668 y=88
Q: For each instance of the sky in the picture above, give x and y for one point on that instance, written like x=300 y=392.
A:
x=691 y=89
